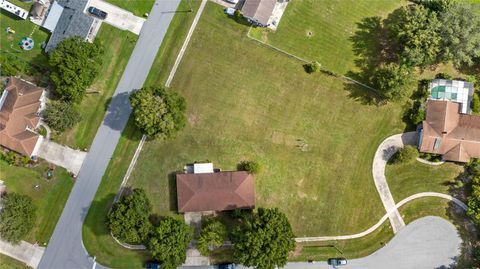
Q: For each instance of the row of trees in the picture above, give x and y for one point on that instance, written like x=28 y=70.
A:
x=420 y=35
x=262 y=239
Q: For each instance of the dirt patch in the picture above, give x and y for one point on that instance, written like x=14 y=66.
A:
x=193 y=119
x=297 y=251
x=301 y=194
x=309 y=33
x=281 y=138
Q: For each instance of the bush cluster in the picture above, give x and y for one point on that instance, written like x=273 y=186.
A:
x=406 y=154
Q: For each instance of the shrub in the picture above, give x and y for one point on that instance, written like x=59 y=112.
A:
x=168 y=242
x=237 y=15
x=251 y=167
x=61 y=115
x=475 y=105
x=129 y=219
x=17 y=217
x=312 y=67
x=213 y=234
x=443 y=76
x=417 y=113
x=405 y=155
x=158 y=112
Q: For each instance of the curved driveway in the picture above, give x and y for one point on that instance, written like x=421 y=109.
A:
x=384 y=152
x=65 y=249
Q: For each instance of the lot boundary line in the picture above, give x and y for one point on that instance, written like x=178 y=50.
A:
x=307 y=61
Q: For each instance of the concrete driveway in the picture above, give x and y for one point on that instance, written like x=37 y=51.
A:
x=118 y=17
x=24 y=251
x=63 y=156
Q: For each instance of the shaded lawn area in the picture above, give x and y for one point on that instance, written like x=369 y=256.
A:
x=408 y=179
x=350 y=249
x=320 y=29
x=49 y=198
x=10 y=263
x=23 y=28
x=96 y=237
x=137 y=7
x=246 y=101
x=118 y=48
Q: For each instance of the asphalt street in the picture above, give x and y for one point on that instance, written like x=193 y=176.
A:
x=427 y=243
x=65 y=249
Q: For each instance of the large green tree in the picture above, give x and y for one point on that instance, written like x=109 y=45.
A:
x=129 y=219
x=74 y=65
x=414 y=29
x=473 y=200
x=168 y=242
x=460 y=35
x=264 y=240
x=17 y=217
x=158 y=112
x=213 y=234
x=61 y=115
x=391 y=80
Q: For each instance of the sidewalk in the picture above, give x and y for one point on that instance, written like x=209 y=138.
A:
x=25 y=252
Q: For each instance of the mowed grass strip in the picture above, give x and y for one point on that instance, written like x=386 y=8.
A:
x=137 y=7
x=10 y=263
x=49 y=197
x=246 y=101
x=118 y=46
x=407 y=179
x=320 y=29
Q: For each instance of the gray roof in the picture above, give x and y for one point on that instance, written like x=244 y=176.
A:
x=72 y=22
x=258 y=10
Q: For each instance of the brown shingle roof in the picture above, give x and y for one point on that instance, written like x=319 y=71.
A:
x=448 y=132
x=259 y=10
x=17 y=113
x=215 y=191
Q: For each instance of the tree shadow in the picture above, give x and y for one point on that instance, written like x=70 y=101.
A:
x=172 y=191
x=362 y=94
x=97 y=213
x=118 y=111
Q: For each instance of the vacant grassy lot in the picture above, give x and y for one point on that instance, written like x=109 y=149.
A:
x=118 y=47
x=23 y=28
x=9 y=263
x=316 y=143
x=96 y=238
x=321 y=29
x=137 y=7
x=408 y=179
x=49 y=197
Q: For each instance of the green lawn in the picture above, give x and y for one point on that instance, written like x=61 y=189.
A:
x=315 y=142
x=118 y=47
x=23 y=28
x=137 y=7
x=96 y=238
x=321 y=29
x=49 y=198
x=408 y=179
x=9 y=263
x=350 y=249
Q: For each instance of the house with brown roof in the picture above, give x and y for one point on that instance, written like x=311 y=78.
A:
x=258 y=11
x=215 y=191
x=449 y=132
x=19 y=106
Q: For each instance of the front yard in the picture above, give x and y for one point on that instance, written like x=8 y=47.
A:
x=49 y=196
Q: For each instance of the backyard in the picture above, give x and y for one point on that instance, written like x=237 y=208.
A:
x=304 y=129
x=49 y=196
x=320 y=30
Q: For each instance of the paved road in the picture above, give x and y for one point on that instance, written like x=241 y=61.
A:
x=65 y=249
x=427 y=243
x=386 y=150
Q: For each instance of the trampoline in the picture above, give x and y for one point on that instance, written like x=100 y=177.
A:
x=27 y=43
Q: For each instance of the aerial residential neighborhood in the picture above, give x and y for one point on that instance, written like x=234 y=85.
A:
x=239 y=134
